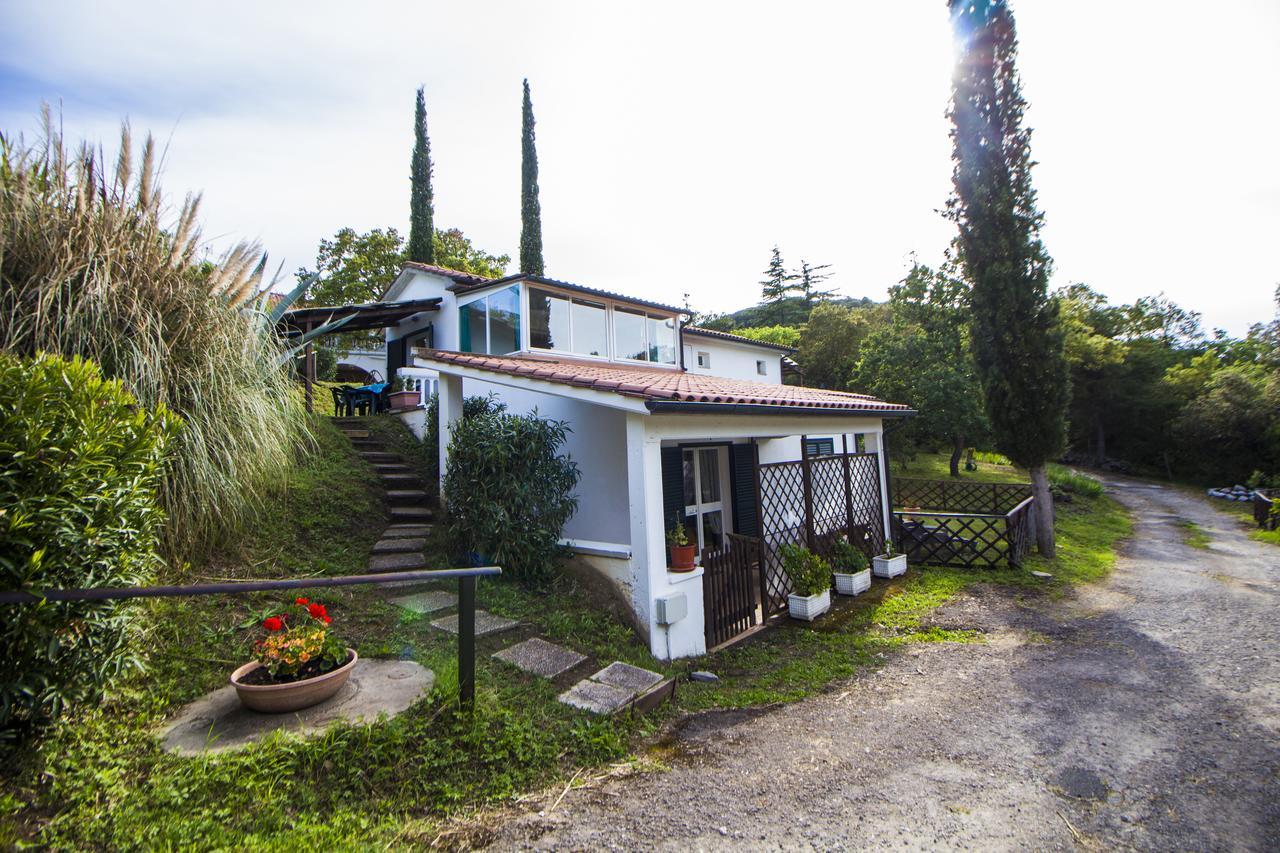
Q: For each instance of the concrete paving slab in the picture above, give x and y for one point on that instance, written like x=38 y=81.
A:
x=398 y=545
x=541 y=658
x=486 y=623
x=219 y=723
x=427 y=602
x=406 y=530
x=588 y=695
x=397 y=562
x=627 y=677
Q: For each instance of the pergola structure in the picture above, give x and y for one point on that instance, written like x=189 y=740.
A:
x=353 y=318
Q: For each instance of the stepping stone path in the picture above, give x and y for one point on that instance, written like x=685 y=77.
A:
x=486 y=623
x=610 y=689
x=538 y=657
x=427 y=602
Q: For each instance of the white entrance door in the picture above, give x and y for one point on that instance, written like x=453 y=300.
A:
x=706 y=494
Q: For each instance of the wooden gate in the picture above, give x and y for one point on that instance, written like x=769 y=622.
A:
x=730 y=603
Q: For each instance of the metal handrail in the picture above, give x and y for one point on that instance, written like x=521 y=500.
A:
x=466 y=601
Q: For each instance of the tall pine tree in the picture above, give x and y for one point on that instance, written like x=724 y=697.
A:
x=530 y=211
x=778 y=283
x=809 y=279
x=1017 y=341
x=421 y=225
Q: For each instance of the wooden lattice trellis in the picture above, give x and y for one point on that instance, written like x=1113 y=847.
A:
x=814 y=502
x=961 y=497
x=963 y=524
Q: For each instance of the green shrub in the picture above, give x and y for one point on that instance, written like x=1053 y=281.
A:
x=509 y=492
x=80 y=465
x=1074 y=482
x=93 y=264
x=846 y=558
x=471 y=407
x=809 y=573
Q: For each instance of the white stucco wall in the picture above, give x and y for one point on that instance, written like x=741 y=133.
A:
x=732 y=359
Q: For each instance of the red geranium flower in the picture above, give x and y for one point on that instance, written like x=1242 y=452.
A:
x=272 y=623
x=317 y=611
x=300 y=601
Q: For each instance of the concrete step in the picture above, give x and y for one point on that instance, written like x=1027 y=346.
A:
x=379 y=456
x=354 y=434
x=411 y=513
x=397 y=562
x=407 y=531
x=403 y=497
x=391 y=468
x=619 y=685
x=400 y=479
x=399 y=545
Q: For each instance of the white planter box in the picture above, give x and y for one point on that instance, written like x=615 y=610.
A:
x=889 y=567
x=809 y=607
x=852 y=584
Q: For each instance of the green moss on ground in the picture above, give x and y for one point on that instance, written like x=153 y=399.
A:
x=100 y=780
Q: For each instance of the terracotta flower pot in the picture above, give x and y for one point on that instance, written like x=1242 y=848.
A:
x=294 y=696
x=399 y=400
x=682 y=557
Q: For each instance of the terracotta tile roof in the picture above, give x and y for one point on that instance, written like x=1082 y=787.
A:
x=661 y=387
x=458 y=276
x=730 y=336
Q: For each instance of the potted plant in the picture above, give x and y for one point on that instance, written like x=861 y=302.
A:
x=682 y=550
x=810 y=577
x=890 y=564
x=405 y=396
x=298 y=663
x=852 y=571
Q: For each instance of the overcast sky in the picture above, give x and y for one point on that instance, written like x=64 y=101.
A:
x=678 y=142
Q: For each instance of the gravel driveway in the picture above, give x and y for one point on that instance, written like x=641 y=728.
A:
x=1140 y=712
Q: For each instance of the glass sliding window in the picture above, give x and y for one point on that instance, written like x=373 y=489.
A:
x=548 y=320
x=629 y=335
x=662 y=340
x=504 y=321
x=473 y=336
x=590 y=328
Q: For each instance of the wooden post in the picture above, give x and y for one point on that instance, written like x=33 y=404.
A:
x=308 y=371
x=806 y=475
x=761 y=554
x=467 y=641
x=848 y=494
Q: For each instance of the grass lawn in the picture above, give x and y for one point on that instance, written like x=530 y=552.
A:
x=99 y=778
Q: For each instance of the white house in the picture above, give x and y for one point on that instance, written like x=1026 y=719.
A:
x=669 y=422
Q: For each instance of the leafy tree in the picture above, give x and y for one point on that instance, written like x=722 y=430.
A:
x=354 y=269
x=1017 y=341
x=421 y=230
x=923 y=358
x=786 y=336
x=454 y=251
x=829 y=345
x=530 y=210
x=472 y=407
x=778 y=283
x=808 y=281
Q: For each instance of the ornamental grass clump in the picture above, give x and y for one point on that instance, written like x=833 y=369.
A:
x=809 y=574
x=93 y=263
x=297 y=643
x=80 y=468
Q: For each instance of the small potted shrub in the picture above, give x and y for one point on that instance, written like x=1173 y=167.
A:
x=405 y=396
x=682 y=550
x=890 y=564
x=850 y=567
x=298 y=663
x=810 y=577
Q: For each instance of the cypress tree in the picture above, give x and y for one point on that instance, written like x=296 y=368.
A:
x=421 y=227
x=530 y=211
x=1016 y=340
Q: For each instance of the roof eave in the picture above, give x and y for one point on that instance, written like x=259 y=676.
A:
x=690 y=407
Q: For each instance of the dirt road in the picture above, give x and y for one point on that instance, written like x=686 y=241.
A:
x=1140 y=712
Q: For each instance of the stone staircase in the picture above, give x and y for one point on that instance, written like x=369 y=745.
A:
x=615 y=688
x=400 y=548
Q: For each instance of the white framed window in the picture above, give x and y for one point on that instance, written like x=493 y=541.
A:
x=704 y=360
x=762 y=367
x=596 y=328
x=491 y=324
x=706 y=495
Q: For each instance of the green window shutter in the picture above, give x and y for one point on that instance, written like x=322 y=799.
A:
x=672 y=487
x=742 y=482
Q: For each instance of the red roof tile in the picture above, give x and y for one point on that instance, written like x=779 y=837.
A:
x=464 y=278
x=658 y=385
